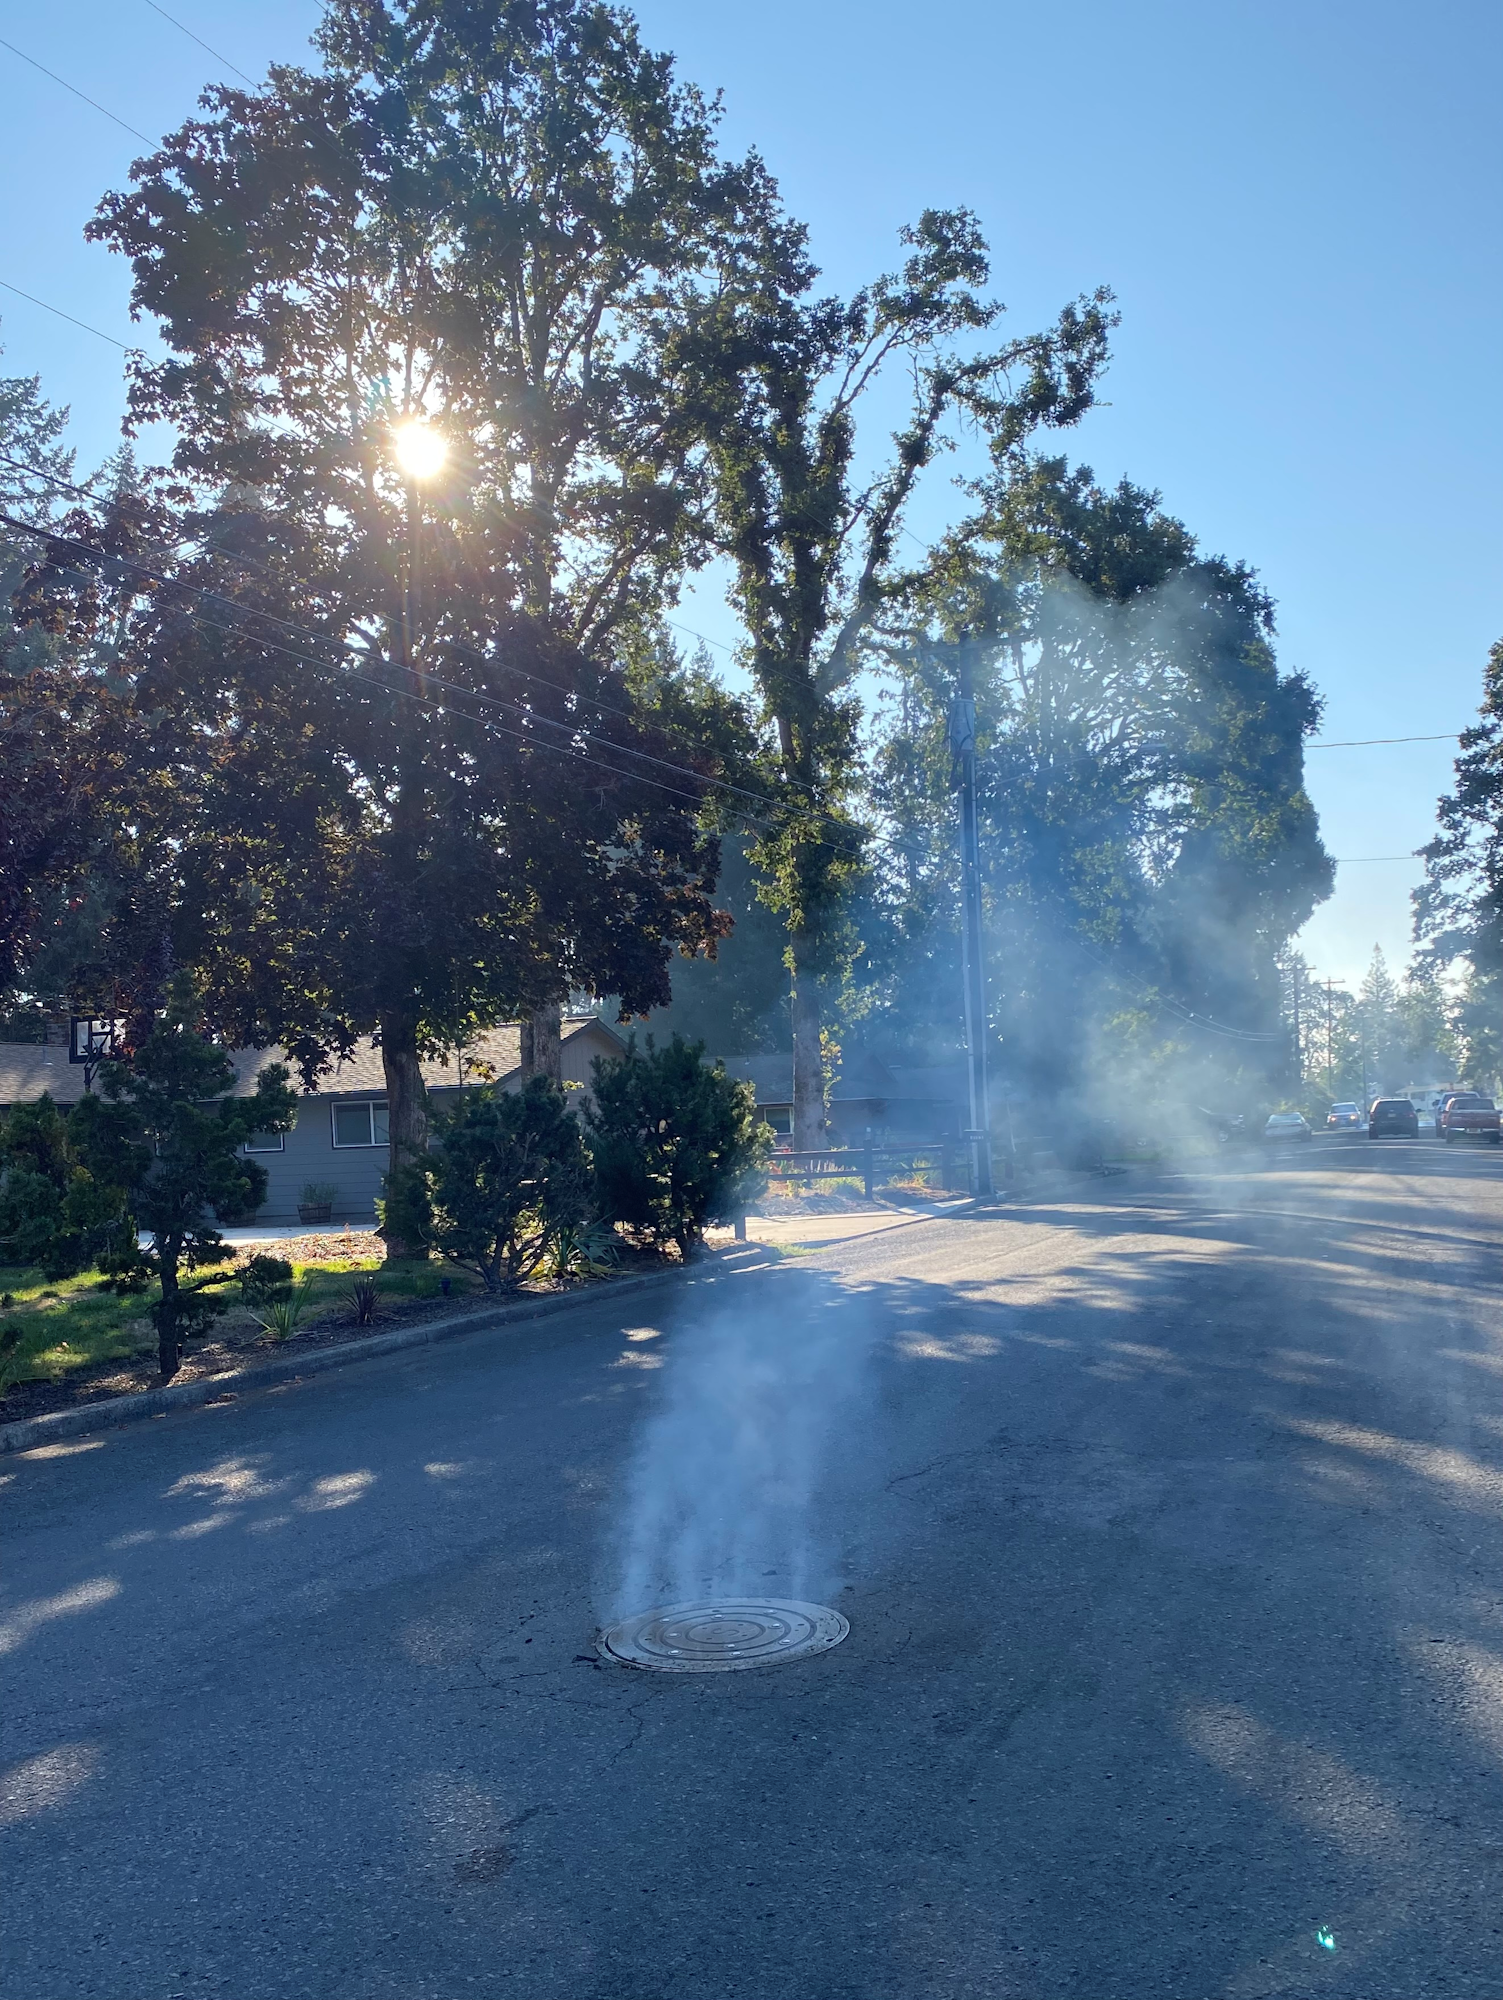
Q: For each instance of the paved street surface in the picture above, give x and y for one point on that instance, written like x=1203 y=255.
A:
x=1165 y=1514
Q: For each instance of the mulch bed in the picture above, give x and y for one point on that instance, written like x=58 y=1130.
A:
x=239 y=1342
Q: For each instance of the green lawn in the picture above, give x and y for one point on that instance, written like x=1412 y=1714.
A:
x=72 y=1323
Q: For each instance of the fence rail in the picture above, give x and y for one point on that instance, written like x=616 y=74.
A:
x=864 y=1162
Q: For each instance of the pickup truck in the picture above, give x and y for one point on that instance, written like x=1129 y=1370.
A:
x=1468 y=1115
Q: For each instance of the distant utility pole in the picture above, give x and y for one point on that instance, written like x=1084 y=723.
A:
x=1299 y=1057
x=973 y=969
x=1330 y=1039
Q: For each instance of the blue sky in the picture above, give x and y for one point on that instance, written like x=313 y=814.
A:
x=1298 y=207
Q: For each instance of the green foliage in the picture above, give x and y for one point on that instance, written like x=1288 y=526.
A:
x=404 y=1212
x=1458 y=910
x=264 y=1278
x=675 y=1143
x=398 y=217
x=281 y=1317
x=318 y=1194
x=585 y=1251
x=165 y=1130
x=736 y=1003
x=1147 y=843
x=815 y=544
x=54 y=1213
x=507 y=1176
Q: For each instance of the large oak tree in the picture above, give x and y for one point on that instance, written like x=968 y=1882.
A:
x=491 y=218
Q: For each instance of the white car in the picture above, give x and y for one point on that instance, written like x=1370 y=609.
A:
x=1286 y=1125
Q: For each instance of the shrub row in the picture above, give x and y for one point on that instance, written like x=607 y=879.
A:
x=515 y=1183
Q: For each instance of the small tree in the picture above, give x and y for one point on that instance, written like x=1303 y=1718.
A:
x=508 y=1175
x=53 y=1212
x=675 y=1143
x=166 y=1131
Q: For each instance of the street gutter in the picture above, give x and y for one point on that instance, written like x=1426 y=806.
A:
x=29 y=1432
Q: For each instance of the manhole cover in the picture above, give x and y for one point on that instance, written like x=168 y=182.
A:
x=722 y=1637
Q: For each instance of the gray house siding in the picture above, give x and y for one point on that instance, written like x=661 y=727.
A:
x=308 y=1153
x=317 y=1149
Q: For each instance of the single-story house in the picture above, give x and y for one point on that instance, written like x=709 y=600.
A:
x=340 y=1138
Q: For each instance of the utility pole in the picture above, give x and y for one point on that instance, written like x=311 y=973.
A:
x=1330 y=1041
x=1299 y=1057
x=973 y=968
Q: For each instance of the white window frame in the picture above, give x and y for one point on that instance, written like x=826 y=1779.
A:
x=266 y=1142
x=370 y=1106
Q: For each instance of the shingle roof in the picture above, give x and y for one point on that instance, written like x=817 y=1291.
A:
x=27 y=1069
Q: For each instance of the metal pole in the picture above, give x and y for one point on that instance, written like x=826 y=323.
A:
x=973 y=969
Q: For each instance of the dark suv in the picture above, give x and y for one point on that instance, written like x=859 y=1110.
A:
x=1393 y=1117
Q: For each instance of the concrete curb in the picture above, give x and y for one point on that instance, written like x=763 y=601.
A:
x=29 y=1432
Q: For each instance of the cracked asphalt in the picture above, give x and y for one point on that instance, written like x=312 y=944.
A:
x=1166 y=1517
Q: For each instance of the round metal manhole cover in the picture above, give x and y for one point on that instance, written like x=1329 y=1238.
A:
x=722 y=1637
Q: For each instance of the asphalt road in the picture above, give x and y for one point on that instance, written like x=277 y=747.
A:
x=1166 y=1518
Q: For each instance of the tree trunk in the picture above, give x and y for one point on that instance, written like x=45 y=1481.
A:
x=809 y=1132
x=542 y=1043
x=167 y=1347
x=407 y=1131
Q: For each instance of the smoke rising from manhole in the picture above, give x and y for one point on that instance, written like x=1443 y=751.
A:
x=731 y=1492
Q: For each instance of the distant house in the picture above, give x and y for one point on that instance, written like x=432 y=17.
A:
x=340 y=1138
x=869 y=1099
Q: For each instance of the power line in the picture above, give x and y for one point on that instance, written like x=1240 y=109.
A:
x=1348 y=860
x=700 y=636
x=6 y=284
x=1161 y=1002
x=483 y=696
x=326 y=672
x=152 y=4
x=1368 y=742
x=472 y=652
x=134 y=132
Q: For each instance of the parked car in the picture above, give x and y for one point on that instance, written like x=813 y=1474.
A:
x=1344 y=1118
x=1286 y=1125
x=1392 y=1117
x=1466 y=1114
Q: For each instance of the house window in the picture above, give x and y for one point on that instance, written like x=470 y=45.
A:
x=362 y=1124
x=266 y=1142
x=780 y=1120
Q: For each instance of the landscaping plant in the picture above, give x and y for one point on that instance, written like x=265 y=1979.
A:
x=165 y=1130
x=675 y=1142
x=284 y=1315
x=55 y=1215
x=586 y=1251
x=364 y=1296
x=508 y=1176
x=264 y=1279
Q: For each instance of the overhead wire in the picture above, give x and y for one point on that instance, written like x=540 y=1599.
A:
x=1370 y=742
x=9 y=287
x=760 y=799
x=152 y=4
x=134 y=131
x=345 y=673
x=327 y=669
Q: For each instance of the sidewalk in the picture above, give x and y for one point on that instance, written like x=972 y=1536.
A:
x=791 y=1230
